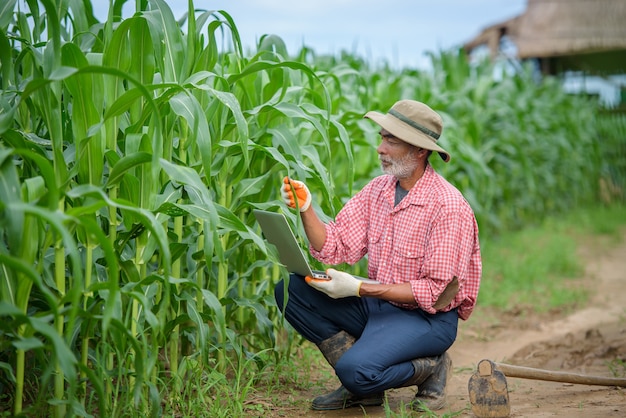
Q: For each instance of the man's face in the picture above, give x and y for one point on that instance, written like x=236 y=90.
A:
x=397 y=157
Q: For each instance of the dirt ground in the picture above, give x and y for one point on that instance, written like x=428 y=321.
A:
x=590 y=341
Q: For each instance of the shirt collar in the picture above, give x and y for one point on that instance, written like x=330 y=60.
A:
x=417 y=194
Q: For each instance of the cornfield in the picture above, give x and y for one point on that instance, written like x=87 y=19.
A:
x=133 y=151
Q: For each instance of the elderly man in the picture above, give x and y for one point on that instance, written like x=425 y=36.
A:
x=421 y=239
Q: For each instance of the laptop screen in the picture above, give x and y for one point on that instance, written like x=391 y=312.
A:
x=277 y=232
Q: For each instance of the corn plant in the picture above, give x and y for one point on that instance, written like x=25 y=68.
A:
x=130 y=169
x=612 y=149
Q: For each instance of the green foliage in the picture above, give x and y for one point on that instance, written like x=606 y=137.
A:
x=132 y=153
x=612 y=145
x=129 y=171
x=537 y=266
x=598 y=220
x=525 y=268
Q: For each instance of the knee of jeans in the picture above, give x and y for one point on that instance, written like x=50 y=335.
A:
x=356 y=377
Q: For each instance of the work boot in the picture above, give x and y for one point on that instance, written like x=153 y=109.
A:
x=333 y=348
x=431 y=377
x=342 y=398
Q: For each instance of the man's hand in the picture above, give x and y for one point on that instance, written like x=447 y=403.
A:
x=302 y=194
x=340 y=285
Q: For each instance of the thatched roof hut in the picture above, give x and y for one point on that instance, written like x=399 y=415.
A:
x=583 y=35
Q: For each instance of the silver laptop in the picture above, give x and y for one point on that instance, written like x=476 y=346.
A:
x=277 y=232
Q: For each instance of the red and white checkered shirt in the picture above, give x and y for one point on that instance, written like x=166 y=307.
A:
x=427 y=239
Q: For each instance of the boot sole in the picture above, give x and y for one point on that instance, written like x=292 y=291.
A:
x=347 y=404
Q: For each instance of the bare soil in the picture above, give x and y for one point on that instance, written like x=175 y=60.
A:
x=589 y=341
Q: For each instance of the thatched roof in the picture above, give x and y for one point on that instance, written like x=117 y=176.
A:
x=552 y=28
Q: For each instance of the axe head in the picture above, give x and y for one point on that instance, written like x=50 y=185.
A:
x=488 y=391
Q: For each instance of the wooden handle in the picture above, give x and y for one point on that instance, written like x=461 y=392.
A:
x=538 y=374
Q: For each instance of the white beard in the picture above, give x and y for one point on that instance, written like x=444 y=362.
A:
x=400 y=168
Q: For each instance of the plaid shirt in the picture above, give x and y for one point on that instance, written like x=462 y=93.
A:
x=431 y=236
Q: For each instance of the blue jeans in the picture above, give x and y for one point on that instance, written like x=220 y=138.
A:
x=388 y=337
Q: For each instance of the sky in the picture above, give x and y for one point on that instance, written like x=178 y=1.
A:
x=399 y=32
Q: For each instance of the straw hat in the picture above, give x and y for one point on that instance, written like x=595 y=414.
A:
x=413 y=122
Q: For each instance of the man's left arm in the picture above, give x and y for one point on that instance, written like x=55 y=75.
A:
x=400 y=293
x=344 y=285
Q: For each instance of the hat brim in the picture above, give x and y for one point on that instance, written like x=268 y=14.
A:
x=406 y=133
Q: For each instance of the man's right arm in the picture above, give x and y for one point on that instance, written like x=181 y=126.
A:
x=314 y=228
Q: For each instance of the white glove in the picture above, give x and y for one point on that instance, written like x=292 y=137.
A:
x=340 y=285
x=302 y=194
